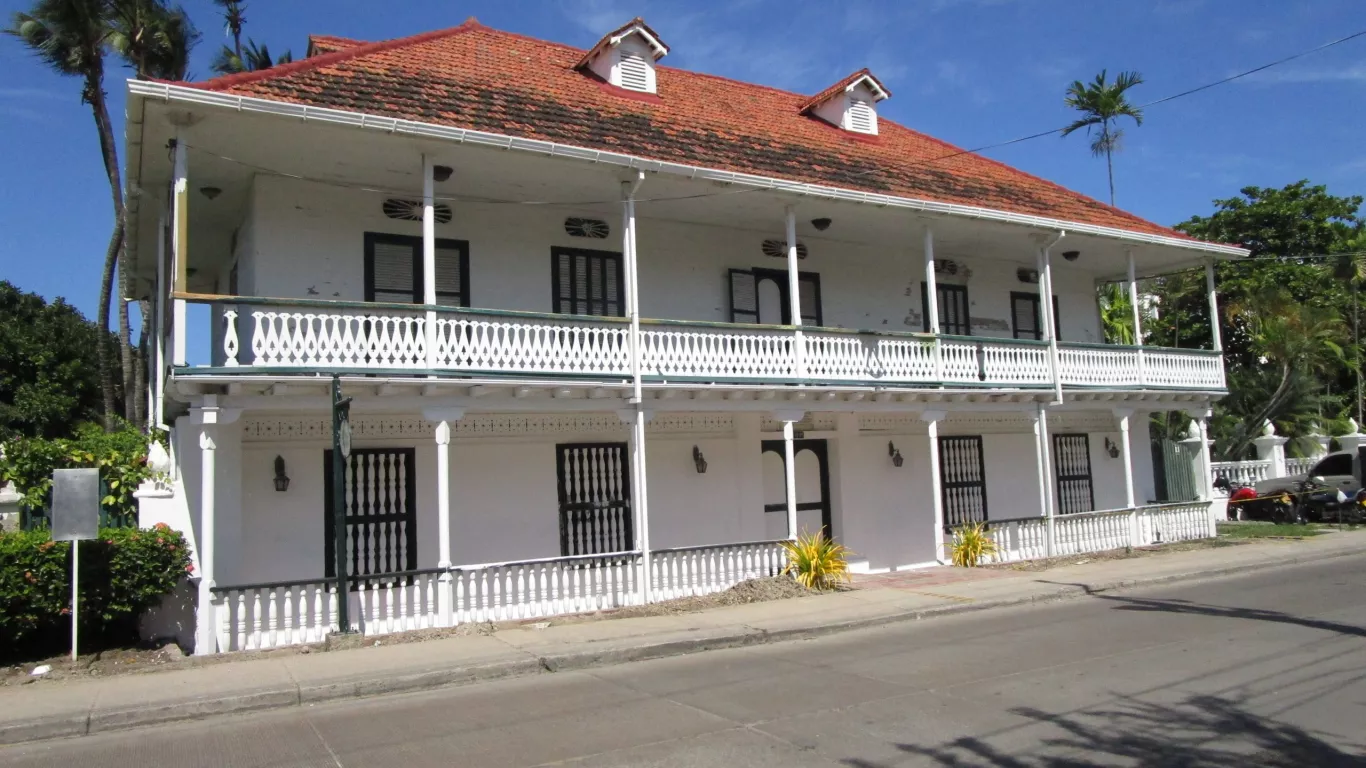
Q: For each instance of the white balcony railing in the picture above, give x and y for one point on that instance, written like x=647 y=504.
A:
x=307 y=335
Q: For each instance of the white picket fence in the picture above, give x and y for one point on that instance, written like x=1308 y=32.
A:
x=261 y=616
x=1027 y=538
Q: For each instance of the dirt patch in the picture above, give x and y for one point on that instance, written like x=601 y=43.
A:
x=1044 y=564
x=123 y=661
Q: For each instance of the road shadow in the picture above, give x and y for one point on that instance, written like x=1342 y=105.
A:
x=1171 y=605
x=1199 y=732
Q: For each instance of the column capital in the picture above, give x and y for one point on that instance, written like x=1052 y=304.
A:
x=206 y=441
x=443 y=414
x=209 y=412
x=792 y=415
x=443 y=433
x=930 y=417
x=628 y=415
x=1200 y=413
x=1122 y=412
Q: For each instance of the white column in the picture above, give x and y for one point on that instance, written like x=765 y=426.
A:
x=1138 y=318
x=628 y=247
x=445 y=596
x=1215 y=334
x=932 y=419
x=794 y=292
x=205 y=638
x=931 y=307
x=156 y=371
x=640 y=495
x=1126 y=448
x=1049 y=322
x=790 y=471
x=180 y=227
x=1049 y=499
x=208 y=416
x=429 y=256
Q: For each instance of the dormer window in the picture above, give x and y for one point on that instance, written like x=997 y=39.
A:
x=850 y=104
x=626 y=57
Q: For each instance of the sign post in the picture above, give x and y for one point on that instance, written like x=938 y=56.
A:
x=341 y=451
x=75 y=517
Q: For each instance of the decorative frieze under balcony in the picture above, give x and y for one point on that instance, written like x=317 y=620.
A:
x=302 y=336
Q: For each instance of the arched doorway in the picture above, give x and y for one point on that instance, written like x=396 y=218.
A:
x=813 y=487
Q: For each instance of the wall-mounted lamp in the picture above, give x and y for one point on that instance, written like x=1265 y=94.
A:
x=441 y=172
x=210 y=192
x=897 y=461
x=1111 y=448
x=699 y=460
x=1071 y=255
x=281 y=479
x=821 y=224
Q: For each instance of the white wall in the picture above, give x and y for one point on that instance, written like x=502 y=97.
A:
x=1012 y=473
x=306 y=241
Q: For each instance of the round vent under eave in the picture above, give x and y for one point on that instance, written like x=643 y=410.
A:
x=411 y=210
x=778 y=249
x=594 y=228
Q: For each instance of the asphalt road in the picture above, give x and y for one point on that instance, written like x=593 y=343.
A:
x=1266 y=669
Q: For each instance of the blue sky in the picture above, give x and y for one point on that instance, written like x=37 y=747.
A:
x=972 y=72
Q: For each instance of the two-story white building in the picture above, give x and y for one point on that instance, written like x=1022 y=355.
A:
x=611 y=331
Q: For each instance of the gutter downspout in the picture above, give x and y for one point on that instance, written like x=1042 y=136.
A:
x=1050 y=323
x=638 y=417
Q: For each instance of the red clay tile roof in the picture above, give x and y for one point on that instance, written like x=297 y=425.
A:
x=320 y=44
x=828 y=93
x=484 y=79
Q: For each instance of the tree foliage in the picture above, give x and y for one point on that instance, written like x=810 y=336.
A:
x=1289 y=346
x=49 y=366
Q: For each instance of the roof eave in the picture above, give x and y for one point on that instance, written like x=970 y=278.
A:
x=170 y=92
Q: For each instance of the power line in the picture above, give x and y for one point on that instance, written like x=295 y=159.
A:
x=949 y=156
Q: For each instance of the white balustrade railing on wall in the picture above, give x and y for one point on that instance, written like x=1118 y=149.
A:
x=259 y=616
x=547 y=587
x=1241 y=472
x=1027 y=538
x=693 y=571
x=319 y=335
x=1301 y=466
x=1098 y=365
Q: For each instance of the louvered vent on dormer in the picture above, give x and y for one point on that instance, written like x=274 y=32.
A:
x=594 y=228
x=862 y=117
x=778 y=249
x=411 y=210
x=635 y=72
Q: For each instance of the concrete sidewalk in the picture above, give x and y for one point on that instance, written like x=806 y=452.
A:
x=53 y=709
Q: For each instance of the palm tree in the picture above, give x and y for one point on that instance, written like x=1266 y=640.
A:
x=72 y=37
x=1350 y=267
x=1294 y=339
x=155 y=41
x=240 y=58
x=1102 y=104
x=1116 y=314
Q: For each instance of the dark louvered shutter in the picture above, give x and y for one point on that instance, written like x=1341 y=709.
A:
x=587 y=282
x=744 y=297
x=392 y=276
x=1024 y=311
x=451 y=267
x=809 y=289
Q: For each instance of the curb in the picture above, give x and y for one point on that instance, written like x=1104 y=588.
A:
x=66 y=726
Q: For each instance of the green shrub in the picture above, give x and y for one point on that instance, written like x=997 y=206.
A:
x=123 y=573
x=121 y=457
x=971 y=545
x=816 y=561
